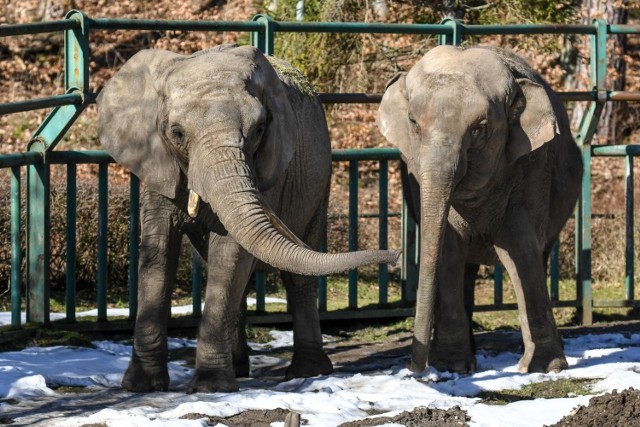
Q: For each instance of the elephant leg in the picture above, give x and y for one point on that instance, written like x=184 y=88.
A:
x=159 y=249
x=309 y=359
x=519 y=251
x=452 y=345
x=228 y=270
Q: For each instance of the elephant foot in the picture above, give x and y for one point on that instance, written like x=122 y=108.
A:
x=542 y=362
x=145 y=377
x=309 y=363
x=459 y=362
x=453 y=353
x=543 y=356
x=212 y=381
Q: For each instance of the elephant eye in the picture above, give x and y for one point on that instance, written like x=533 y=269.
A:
x=177 y=133
x=479 y=130
x=260 y=130
x=414 y=123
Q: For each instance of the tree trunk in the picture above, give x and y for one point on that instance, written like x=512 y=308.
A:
x=615 y=12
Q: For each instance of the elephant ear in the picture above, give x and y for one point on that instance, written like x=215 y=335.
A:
x=393 y=114
x=283 y=128
x=532 y=120
x=128 y=108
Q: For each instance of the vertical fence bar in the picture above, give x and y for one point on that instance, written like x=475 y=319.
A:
x=322 y=280
x=588 y=126
x=498 y=281
x=383 y=227
x=70 y=289
x=410 y=254
x=196 y=284
x=103 y=206
x=16 y=250
x=554 y=271
x=134 y=243
x=629 y=229
x=261 y=291
x=353 y=230
x=38 y=238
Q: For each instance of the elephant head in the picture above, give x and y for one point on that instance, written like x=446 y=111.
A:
x=461 y=118
x=218 y=123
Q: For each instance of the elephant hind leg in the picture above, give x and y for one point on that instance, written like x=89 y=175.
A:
x=519 y=251
x=309 y=359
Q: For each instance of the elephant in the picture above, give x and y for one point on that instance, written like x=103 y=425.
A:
x=492 y=174
x=232 y=150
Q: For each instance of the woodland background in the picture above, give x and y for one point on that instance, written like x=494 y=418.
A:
x=32 y=66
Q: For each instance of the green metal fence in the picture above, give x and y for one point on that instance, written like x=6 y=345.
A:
x=41 y=154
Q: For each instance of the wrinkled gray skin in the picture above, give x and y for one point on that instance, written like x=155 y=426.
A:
x=493 y=174
x=222 y=124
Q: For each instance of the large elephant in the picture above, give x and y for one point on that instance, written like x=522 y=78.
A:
x=493 y=174
x=233 y=151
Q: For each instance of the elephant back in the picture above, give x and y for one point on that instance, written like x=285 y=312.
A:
x=291 y=76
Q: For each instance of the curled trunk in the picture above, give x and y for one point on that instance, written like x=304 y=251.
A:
x=226 y=184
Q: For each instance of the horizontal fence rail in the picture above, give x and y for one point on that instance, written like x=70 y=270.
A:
x=41 y=154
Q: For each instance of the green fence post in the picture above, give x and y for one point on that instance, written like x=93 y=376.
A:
x=103 y=236
x=196 y=281
x=383 y=223
x=498 y=284
x=353 y=231
x=455 y=37
x=76 y=72
x=261 y=292
x=263 y=40
x=588 y=126
x=16 y=251
x=38 y=237
x=554 y=271
x=322 y=280
x=629 y=230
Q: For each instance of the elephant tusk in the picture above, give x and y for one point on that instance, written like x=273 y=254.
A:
x=279 y=225
x=194 y=204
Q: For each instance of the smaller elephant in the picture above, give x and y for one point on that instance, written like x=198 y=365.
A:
x=233 y=151
x=492 y=173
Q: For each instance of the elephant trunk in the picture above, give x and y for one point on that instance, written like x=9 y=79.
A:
x=224 y=179
x=436 y=185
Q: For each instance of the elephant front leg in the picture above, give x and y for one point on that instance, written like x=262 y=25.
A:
x=522 y=257
x=452 y=346
x=309 y=359
x=159 y=248
x=229 y=268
